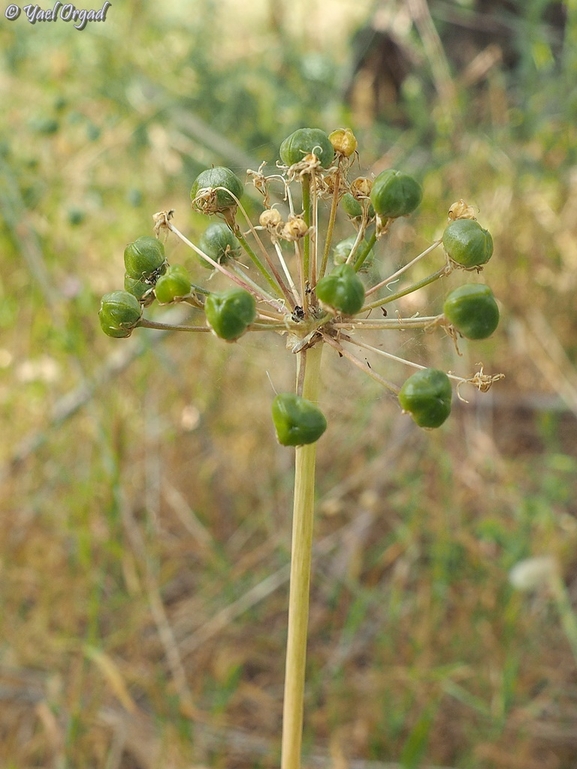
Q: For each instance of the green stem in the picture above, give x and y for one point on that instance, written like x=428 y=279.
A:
x=306 y=276
x=145 y=323
x=365 y=252
x=409 y=290
x=362 y=365
x=258 y=264
x=301 y=553
x=407 y=266
x=235 y=279
x=330 y=225
x=380 y=324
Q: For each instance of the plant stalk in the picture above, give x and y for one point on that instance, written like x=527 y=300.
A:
x=306 y=259
x=300 y=577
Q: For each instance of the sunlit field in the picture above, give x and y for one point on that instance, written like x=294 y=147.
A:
x=145 y=502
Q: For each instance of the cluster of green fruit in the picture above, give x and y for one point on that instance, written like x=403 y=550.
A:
x=309 y=155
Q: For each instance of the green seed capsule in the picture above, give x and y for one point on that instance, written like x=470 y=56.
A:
x=144 y=259
x=427 y=397
x=119 y=313
x=342 y=250
x=306 y=141
x=230 y=313
x=219 y=242
x=472 y=310
x=173 y=285
x=395 y=194
x=342 y=290
x=467 y=243
x=297 y=421
x=207 y=198
x=353 y=208
x=141 y=289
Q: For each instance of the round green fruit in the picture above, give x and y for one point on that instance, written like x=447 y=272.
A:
x=427 y=397
x=219 y=242
x=342 y=250
x=467 y=243
x=220 y=182
x=472 y=310
x=230 y=313
x=119 y=313
x=144 y=259
x=353 y=208
x=141 y=289
x=297 y=421
x=174 y=284
x=342 y=290
x=395 y=194
x=307 y=141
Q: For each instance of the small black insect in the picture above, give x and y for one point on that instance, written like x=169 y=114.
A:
x=298 y=314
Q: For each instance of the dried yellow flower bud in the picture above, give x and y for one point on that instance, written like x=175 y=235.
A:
x=294 y=229
x=270 y=218
x=361 y=187
x=460 y=210
x=344 y=141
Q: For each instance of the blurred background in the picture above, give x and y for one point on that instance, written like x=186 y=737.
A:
x=145 y=503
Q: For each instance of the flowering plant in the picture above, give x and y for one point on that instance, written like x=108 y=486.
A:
x=299 y=285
